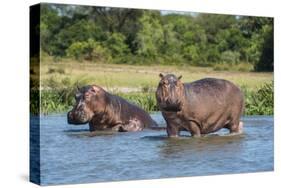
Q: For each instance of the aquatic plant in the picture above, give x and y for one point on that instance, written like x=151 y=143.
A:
x=261 y=101
x=257 y=102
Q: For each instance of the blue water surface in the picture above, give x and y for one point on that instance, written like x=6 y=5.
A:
x=69 y=154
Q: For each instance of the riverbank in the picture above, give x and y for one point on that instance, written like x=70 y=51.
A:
x=138 y=84
x=114 y=76
x=257 y=102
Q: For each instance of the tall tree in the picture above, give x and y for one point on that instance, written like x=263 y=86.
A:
x=150 y=36
x=266 y=60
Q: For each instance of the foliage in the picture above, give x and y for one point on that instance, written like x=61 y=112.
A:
x=54 y=70
x=146 y=101
x=240 y=67
x=230 y=57
x=261 y=101
x=265 y=62
x=257 y=102
x=130 y=36
x=149 y=37
x=88 y=50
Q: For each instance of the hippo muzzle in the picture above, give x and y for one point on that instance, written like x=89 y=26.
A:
x=77 y=117
x=170 y=106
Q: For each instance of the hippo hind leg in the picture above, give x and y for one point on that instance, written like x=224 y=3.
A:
x=193 y=128
x=235 y=127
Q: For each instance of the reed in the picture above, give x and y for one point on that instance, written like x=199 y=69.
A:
x=258 y=101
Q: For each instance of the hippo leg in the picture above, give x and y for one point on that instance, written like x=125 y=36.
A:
x=91 y=127
x=132 y=126
x=117 y=127
x=236 y=127
x=172 y=130
x=194 y=129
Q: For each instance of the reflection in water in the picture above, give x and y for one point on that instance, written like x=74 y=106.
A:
x=207 y=144
x=76 y=130
x=83 y=133
x=71 y=154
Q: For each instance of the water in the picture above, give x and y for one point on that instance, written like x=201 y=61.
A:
x=69 y=154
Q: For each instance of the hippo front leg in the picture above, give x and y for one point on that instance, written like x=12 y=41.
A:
x=91 y=127
x=172 y=130
x=117 y=127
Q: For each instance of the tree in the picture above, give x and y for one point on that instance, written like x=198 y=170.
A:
x=266 y=61
x=250 y=25
x=213 y=23
x=50 y=23
x=139 y=36
x=150 y=37
x=116 y=44
x=171 y=44
x=89 y=50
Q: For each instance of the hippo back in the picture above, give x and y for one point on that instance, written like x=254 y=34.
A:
x=127 y=110
x=208 y=96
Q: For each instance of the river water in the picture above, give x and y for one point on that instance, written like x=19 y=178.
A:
x=69 y=154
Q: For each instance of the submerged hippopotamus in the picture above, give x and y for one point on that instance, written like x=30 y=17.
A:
x=200 y=107
x=104 y=111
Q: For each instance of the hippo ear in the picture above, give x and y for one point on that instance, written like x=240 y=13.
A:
x=179 y=77
x=161 y=75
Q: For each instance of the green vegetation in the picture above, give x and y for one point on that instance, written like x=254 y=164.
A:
x=260 y=102
x=257 y=102
x=144 y=37
x=124 y=50
x=137 y=84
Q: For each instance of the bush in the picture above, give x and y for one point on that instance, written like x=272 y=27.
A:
x=242 y=67
x=54 y=70
x=89 y=50
x=266 y=59
x=230 y=57
x=76 y=50
x=146 y=101
x=116 y=44
x=260 y=102
x=57 y=96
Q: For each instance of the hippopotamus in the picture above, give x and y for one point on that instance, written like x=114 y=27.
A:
x=200 y=107
x=105 y=111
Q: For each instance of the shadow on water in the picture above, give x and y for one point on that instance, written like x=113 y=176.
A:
x=188 y=145
x=76 y=130
x=85 y=133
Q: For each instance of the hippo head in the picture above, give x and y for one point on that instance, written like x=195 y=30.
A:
x=170 y=93
x=89 y=101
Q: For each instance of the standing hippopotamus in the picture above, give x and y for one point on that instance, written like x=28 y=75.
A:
x=103 y=111
x=200 y=107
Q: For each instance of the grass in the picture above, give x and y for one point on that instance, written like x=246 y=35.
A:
x=257 y=102
x=138 y=83
x=113 y=76
x=241 y=67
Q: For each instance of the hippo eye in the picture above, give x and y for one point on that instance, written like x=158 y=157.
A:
x=165 y=82
x=93 y=90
